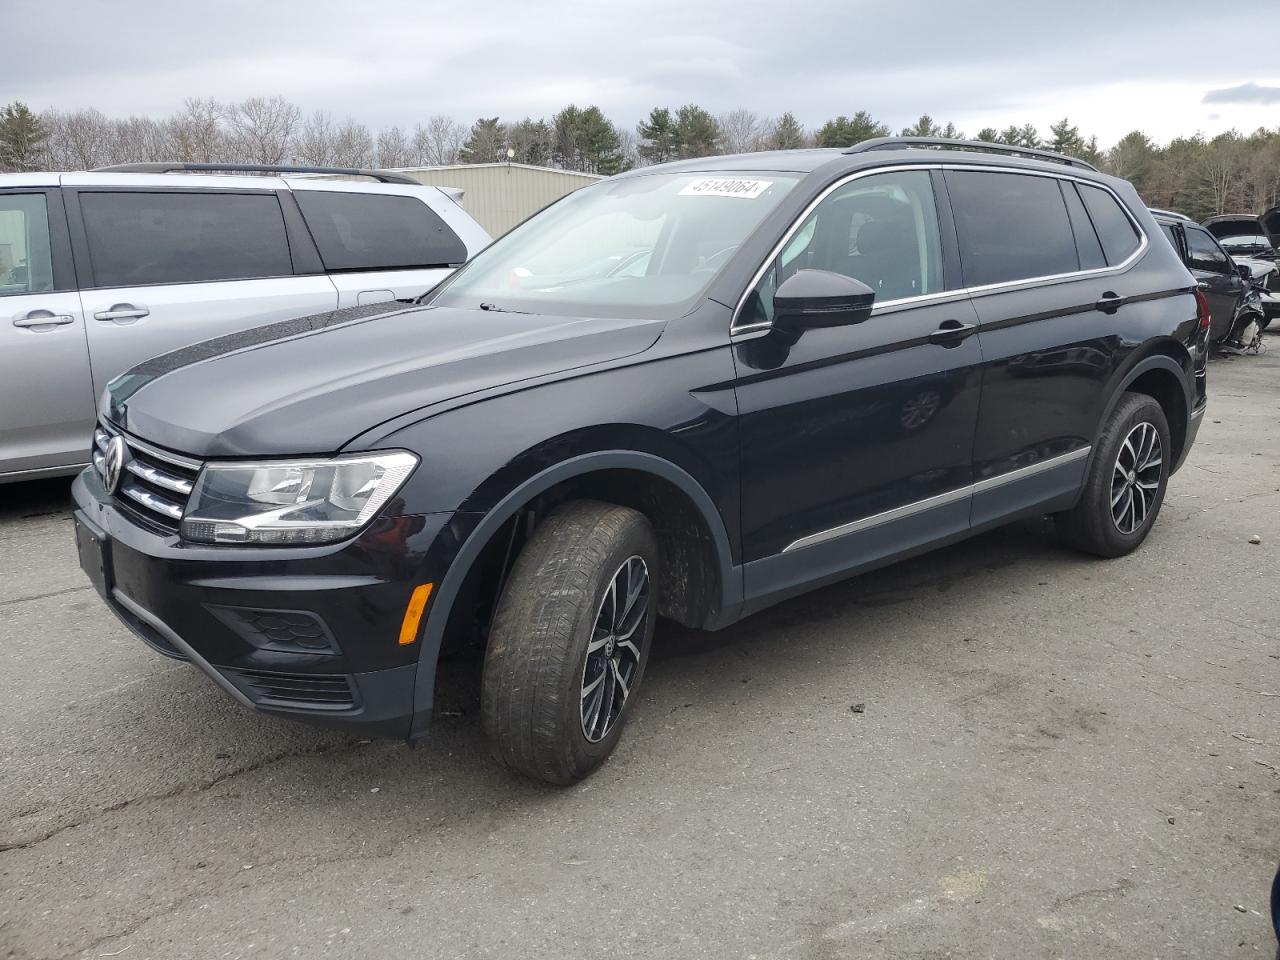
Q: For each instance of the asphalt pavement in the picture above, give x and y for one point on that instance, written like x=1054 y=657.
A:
x=1002 y=749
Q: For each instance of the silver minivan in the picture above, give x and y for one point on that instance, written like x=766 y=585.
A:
x=101 y=270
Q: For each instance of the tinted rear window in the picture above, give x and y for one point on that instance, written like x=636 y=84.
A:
x=139 y=238
x=1115 y=230
x=1011 y=227
x=1087 y=244
x=366 y=231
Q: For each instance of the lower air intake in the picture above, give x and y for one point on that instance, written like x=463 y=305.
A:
x=299 y=691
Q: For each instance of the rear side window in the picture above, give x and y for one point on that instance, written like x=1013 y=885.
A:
x=140 y=238
x=1203 y=252
x=1116 y=231
x=1087 y=244
x=25 y=263
x=366 y=231
x=1011 y=227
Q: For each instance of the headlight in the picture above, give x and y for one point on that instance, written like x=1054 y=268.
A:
x=292 y=501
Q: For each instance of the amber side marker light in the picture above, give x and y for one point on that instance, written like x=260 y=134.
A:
x=413 y=613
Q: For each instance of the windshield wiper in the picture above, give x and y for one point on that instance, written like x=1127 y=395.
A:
x=494 y=308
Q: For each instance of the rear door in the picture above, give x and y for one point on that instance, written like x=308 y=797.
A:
x=161 y=268
x=46 y=394
x=1047 y=301
x=378 y=246
x=1216 y=274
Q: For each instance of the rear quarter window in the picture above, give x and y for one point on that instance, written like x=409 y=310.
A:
x=365 y=231
x=1011 y=227
x=138 y=238
x=1116 y=231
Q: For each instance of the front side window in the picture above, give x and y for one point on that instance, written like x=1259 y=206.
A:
x=1203 y=252
x=370 y=231
x=1116 y=231
x=1011 y=227
x=880 y=229
x=645 y=246
x=138 y=238
x=25 y=262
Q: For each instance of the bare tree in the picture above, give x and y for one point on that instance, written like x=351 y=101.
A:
x=315 y=143
x=263 y=128
x=196 y=134
x=393 y=148
x=741 y=131
x=79 y=140
x=353 y=145
x=439 y=141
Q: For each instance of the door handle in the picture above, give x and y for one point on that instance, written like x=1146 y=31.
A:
x=952 y=332
x=122 y=311
x=1109 y=302
x=43 y=318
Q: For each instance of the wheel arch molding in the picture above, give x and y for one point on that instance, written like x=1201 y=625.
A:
x=1162 y=377
x=588 y=474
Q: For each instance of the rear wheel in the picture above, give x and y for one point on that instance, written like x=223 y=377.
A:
x=1126 y=482
x=570 y=640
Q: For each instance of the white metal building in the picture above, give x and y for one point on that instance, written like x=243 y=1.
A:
x=500 y=195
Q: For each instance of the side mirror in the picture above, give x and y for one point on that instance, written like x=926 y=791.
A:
x=810 y=299
x=1244 y=271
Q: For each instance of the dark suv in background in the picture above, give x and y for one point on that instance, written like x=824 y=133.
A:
x=814 y=363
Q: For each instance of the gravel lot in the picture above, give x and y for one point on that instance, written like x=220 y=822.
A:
x=1058 y=757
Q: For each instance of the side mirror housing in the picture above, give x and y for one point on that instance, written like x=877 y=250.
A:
x=810 y=299
x=1244 y=271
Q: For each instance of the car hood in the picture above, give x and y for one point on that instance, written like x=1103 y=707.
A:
x=310 y=385
x=1239 y=224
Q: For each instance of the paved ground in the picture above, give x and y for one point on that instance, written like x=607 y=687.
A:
x=1059 y=757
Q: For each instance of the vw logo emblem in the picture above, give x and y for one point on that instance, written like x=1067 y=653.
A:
x=117 y=453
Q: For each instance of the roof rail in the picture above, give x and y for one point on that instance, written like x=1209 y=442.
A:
x=982 y=146
x=1172 y=214
x=384 y=176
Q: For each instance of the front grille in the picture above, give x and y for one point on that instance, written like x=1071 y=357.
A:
x=155 y=483
x=305 y=691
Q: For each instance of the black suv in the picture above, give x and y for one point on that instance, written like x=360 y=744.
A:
x=690 y=391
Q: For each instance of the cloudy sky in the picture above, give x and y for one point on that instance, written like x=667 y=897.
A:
x=1169 y=67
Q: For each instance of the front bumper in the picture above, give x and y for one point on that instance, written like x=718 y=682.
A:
x=308 y=632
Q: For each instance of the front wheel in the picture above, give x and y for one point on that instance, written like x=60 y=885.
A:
x=570 y=640
x=1125 y=485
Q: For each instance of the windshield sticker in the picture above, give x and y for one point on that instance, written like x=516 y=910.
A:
x=726 y=187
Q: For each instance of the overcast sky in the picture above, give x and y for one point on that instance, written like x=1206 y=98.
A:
x=1169 y=67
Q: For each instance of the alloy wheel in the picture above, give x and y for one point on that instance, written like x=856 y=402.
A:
x=613 y=653
x=1135 y=480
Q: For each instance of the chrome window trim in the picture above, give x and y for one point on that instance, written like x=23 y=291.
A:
x=939 y=500
x=1143 y=242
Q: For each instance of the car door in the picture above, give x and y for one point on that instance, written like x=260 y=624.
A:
x=1222 y=285
x=46 y=394
x=857 y=440
x=163 y=267
x=1048 y=286
x=378 y=246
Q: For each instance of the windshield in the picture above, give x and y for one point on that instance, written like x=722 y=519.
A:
x=644 y=247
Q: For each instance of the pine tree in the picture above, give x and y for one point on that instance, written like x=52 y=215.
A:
x=658 y=138
x=786 y=134
x=487 y=142
x=846 y=131
x=697 y=133
x=23 y=137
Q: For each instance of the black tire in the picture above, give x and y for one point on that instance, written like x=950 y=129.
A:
x=1091 y=525
x=537 y=660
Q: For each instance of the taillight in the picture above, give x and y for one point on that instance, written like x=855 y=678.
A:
x=1202 y=311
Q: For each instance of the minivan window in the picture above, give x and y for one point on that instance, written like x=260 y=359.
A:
x=1011 y=227
x=641 y=246
x=25 y=262
x=1116 y=231
x=365 y=231
x=880 y=229
x=139 y=238
x=1203 y=252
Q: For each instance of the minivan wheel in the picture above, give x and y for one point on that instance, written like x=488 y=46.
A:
x=569 y=642
x=1126 y=481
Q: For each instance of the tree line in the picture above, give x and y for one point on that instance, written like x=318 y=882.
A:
x=1231 y=172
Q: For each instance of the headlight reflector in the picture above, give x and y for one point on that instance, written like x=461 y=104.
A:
x=285 y=502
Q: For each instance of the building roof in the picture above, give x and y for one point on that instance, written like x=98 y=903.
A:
x=482 y=166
